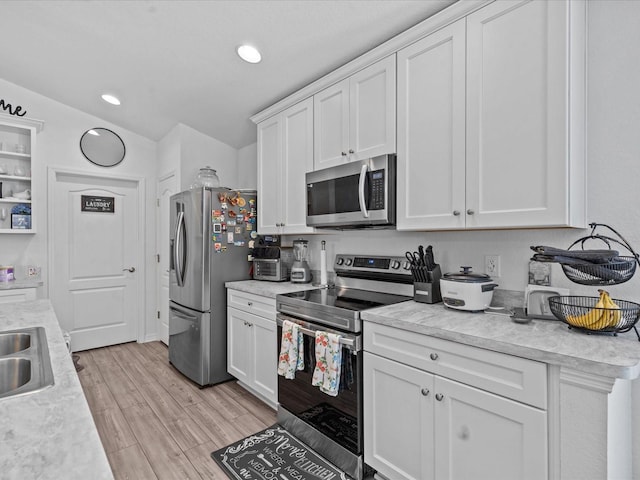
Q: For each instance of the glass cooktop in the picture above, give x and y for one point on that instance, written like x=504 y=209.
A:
x=347 y=298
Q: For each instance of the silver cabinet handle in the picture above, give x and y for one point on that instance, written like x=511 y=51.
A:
x=344 y=154
x=439 y=397
x=470 y=212
x=456 y=212
x=350 y=150
x=132 y=269
x=433 y=356
x=250 y=303
x=425 y=391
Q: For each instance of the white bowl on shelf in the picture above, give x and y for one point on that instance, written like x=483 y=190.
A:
x=25 y=195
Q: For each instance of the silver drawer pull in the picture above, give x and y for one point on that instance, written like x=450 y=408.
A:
x=425 y=391
x=250 y=304
x=439 y=397
x=433 y=356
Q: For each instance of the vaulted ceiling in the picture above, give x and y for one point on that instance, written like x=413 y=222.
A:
x=175 y=61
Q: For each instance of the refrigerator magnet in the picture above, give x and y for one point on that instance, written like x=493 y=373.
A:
x=217 y=247
x=254 y=234
x=230 y=237
x=238 y=230
x=249 y=226
x=217 y=228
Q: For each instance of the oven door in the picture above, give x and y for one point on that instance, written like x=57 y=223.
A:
x=339 y=418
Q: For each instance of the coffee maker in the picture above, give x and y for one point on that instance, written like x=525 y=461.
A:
x=300 y=271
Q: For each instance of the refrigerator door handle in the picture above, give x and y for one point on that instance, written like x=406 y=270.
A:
x=177 y=249
x=181 y=314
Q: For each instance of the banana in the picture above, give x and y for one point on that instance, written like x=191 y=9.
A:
x=613 y=311
x=593 y=317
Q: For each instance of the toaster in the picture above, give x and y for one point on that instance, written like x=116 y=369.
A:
x=272 y=264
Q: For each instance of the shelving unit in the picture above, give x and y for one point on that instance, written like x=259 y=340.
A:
x=16 y=168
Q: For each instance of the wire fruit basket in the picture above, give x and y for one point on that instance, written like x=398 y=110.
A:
x=619 y=270
x=582 y=313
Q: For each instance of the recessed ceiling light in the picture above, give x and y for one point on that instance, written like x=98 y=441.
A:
x=249 y=54
x=111 y=99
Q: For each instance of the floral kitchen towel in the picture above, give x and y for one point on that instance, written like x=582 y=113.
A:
x=291 y=350
x=328 y=363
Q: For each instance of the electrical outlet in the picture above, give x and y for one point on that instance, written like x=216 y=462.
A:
x=492 y=265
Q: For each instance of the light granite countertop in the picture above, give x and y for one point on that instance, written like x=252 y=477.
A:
x=268 y=289
x=48 y=434
x=547 y=341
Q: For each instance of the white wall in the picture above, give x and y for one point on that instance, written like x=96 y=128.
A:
x=613 y=150
x=247 y=167
x=198 y=150
x=58 y=145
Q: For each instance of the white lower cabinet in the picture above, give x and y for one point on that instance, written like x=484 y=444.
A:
x=251 y=343
x=420 y=425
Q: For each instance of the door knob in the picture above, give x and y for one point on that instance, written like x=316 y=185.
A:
x=350 y=150
x=132 y=269
x=425 y=391
x=470 y=212
x=456 y=212
x=439 y=397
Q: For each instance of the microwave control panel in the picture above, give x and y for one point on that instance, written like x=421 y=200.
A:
x=376 y=198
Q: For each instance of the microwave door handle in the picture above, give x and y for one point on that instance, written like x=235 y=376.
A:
x=177 y=249
x=361 y=199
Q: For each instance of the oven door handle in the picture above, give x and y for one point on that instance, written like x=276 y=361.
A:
x=348 y=341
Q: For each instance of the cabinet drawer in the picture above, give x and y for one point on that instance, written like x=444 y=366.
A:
x=256 y=304
x=512 y=377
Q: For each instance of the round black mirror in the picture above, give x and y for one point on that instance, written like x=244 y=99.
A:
x=102 y=147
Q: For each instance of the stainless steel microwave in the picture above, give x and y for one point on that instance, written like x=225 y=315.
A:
x=354 y=195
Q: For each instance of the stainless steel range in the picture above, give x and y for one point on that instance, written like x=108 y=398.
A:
x=333 y=426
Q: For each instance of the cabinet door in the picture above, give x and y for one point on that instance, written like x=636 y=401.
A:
x=269 y=184
x=331 y=126
x=431 y=131
x=372 y=110
x=398 y=419
x=297 y=160
x=265 y=359
x=481 y=435
x=239 y=343
x=517 y=115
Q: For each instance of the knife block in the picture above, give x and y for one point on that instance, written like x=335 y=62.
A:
x=429 y=291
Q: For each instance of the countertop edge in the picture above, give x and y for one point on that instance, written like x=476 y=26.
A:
x=460 y=327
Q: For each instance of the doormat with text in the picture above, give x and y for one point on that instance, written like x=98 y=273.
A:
x=274 y=454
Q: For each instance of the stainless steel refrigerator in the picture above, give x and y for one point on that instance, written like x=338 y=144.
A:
x=211 y=230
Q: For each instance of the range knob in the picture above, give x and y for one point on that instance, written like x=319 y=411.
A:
x=339 y=261
x=395 y=264
x=407 y=266
x=348 y=262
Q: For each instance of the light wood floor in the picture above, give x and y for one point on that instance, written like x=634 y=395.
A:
x=156 y=424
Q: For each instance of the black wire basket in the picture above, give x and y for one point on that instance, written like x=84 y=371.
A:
x=619 y=270
x=581 y=313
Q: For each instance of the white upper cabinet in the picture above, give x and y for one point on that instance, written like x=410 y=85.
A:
x=522 y=117
x=431 y=131
x=356 y=117
x=285 y=155
x=17 y=165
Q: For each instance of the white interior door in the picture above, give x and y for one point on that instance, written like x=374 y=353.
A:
x=96 y=259
x=167 y=186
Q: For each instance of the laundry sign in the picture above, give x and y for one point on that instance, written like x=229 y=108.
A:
x=92 y=203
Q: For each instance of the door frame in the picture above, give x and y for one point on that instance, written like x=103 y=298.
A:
x=52 y=174
x=158 y=271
